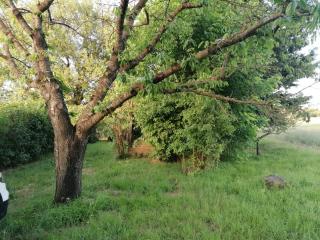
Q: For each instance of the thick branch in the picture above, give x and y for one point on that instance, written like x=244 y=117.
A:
x=18 y=15
x=44 y=5
x=135 y=61
x=7 y=31
x=219 y=45
x=115 y=104
x=111 y=72
x=119 y=46
x=135 y=12
x=215 y=96
x=10 y=61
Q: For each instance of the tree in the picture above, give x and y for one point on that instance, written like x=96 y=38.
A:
x=291 y=65
x=35 y=49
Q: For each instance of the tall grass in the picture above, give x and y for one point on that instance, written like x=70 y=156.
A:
x=139 y=199
x=307 y=134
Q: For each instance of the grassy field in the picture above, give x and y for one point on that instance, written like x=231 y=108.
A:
x=139 y=199
x=305 y=134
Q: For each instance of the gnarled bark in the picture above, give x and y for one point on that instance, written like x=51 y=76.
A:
x=69 y=153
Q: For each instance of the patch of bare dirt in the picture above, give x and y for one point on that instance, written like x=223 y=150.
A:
x=141 y=150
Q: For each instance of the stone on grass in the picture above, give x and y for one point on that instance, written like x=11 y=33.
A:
x=273 y=181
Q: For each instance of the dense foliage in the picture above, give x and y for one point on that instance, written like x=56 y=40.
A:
x=187 y=128
x=25 y=133
x=261 y=68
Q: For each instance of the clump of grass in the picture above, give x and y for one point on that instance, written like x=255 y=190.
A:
x=135 y=199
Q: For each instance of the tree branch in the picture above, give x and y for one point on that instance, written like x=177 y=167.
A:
x=119 y=46
x=146 y=22
x=133 y=15
x=111 y=72
x=214 y=96
x=44 y=5
x=135 y=61
x=115 y=104
x=138 y=87
x=6 y=31
x=263 y=136
x=10 y=60
x=18 y=15
x=92 y=119
x=219 y=45
x=54 y=22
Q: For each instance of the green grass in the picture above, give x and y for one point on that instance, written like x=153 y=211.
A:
x=306 y=135
x=136 y=199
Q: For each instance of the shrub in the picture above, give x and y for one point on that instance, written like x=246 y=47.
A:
x=189 y=128
x=25 y=133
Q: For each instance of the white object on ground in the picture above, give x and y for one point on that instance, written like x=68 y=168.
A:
x=4 y=192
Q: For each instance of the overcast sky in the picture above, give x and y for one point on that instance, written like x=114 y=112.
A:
x=313 y=91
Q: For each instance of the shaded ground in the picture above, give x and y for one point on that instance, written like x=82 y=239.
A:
x=135 y=199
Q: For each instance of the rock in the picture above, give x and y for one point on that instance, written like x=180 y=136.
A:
x=274 y=181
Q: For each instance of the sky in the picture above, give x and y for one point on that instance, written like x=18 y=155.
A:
x=314 y=90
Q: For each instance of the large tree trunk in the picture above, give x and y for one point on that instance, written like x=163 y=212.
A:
x=69 y=145
x=69 y=156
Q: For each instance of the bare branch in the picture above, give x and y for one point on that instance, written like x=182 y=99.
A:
x=115 y=104
x=309 y=86
x=138 y=87
x=54 y=22
x=263 y=135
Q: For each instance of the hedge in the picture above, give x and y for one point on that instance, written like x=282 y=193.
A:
x=25 y=133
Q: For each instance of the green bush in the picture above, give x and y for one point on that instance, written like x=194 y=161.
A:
x=25 y=133
x=188 y=128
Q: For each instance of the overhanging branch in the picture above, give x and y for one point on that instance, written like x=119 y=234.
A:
x=146 y=51
x=18 y=15
x=215 y=96
x=219 y=45
x=8 y=32
x=10 y=61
